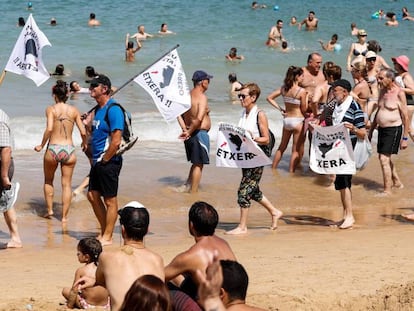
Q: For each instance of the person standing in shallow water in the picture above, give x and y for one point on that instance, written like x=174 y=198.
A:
x=195 y=124
x=255 y=122
x=61 y=119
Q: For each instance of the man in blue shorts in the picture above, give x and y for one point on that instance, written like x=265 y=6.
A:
x=195 y=124
x=107 y=128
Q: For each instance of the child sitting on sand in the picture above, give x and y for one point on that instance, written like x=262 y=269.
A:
x=88 y=253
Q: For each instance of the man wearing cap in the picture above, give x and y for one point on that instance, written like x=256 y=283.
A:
x=119 y=268
x=195 y=124
x=348 y=112
x=106 y=165
x=393 y=127
x=203 y=220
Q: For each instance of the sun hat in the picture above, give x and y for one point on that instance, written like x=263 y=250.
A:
x=370 y=54
x=362 y=32
x=402 y=60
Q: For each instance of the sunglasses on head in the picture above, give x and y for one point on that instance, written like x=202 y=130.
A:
x=243 y=96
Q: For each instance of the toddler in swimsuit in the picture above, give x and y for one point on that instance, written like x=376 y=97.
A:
x=88 y=253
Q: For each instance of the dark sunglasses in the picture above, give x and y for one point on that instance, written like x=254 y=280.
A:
x=371 y=59
x=242 y=96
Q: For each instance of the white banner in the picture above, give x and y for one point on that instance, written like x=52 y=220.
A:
x=235 y=148
x=165 y=81
x=26 y=57
x=331 y=151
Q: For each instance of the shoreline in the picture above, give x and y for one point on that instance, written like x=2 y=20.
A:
x=303 y=265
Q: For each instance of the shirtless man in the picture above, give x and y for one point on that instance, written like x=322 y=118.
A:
x=275 y=36
x=310 y=22
x=312 y=77
x=93 y=21
x=119 y=268
x=141 y=34
x=203 y=220
x=392 y=121
x=195 y=124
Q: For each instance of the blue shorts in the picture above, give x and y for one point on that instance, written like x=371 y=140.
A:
x=197 y=147
x=104 y=178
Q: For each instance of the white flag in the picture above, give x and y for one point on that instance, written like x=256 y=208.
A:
x=26 y=58
x=236 y=149
x=331 y=151
x=165 y=81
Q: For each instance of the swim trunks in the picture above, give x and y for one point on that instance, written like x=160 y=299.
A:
x=389 y=139
x=61 y=153
x=197 y=147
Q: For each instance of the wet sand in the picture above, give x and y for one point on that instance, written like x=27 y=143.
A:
x=303 y=265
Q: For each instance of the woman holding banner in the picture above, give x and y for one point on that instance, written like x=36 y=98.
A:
x=255 y=123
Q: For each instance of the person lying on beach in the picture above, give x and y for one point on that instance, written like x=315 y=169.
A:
x=88 y=252
x=203 y=220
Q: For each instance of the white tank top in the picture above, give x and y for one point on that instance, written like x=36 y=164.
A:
x=249 y=122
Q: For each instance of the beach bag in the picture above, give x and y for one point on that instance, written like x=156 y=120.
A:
x=362 y=153
x=128 y=138
x=267 y=149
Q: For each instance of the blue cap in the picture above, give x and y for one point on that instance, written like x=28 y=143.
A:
x=200 y=75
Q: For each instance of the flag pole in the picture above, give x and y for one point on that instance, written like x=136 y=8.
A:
x=130 y=80
x=3 y=74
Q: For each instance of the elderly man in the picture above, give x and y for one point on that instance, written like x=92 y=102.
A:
x=348 y=112
x=392 y=121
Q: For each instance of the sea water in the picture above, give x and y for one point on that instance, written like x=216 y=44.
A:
x=205 y=31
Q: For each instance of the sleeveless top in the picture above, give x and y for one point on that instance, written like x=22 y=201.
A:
x=249 y=122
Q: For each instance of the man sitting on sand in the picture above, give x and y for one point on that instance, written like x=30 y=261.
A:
x=119 y=268
x=203 y=220
x=234 y=288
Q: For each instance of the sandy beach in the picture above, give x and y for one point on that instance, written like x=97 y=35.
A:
x=304 y=265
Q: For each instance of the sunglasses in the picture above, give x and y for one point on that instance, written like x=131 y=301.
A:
x=371 y=59
x=242 y=96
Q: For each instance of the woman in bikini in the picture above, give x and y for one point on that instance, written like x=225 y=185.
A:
x=361 y=92
x=295 y=99
x=60 y=122
x=358 y=50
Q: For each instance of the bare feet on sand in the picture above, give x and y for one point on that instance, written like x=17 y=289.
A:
x=237 y=231
x=48 y=215
x=14 y=244
x=275 y=217
x=408 y=216
x=347 y=223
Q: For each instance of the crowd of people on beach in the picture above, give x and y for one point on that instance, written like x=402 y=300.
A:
x=207 y=275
